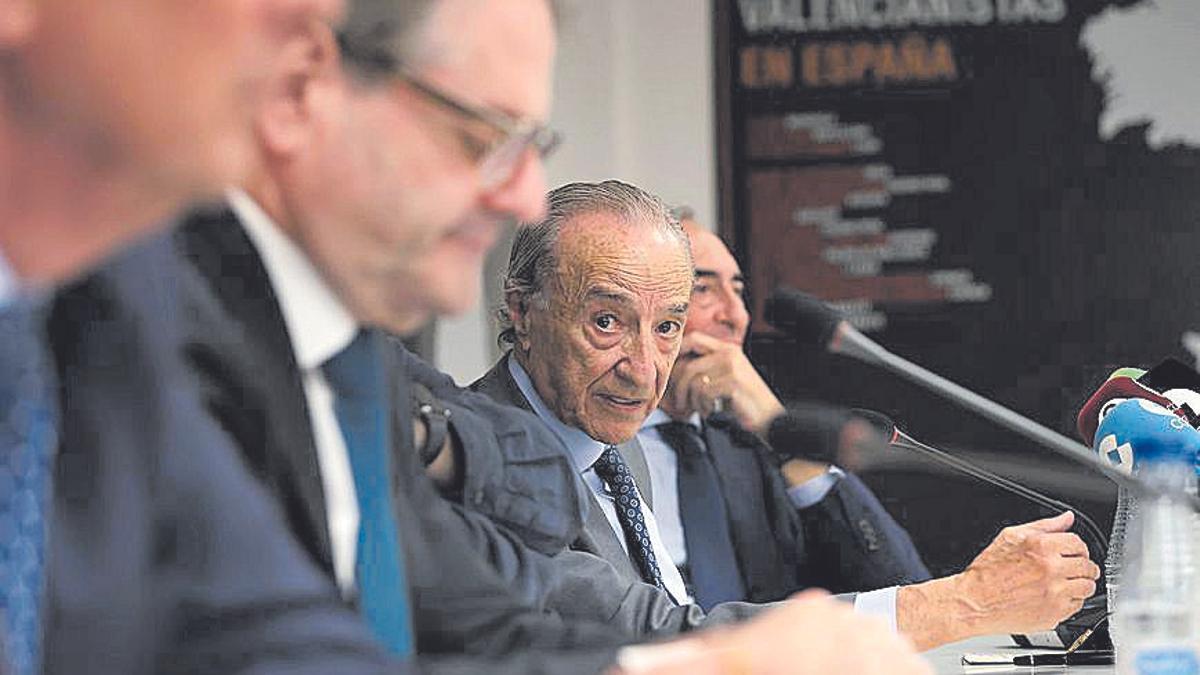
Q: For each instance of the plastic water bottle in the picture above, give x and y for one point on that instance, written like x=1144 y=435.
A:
x=1114 y=559
x=1156 y=617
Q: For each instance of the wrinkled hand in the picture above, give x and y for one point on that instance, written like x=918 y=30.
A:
x=812 y=633
x=712 y=373
x=1029 y=578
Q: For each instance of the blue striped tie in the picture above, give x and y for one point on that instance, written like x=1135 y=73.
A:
x=360 y=386
x=28 y=438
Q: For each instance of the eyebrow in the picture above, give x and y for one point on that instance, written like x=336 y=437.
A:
x=618 y=297
x=712 y=274
x=626 y=300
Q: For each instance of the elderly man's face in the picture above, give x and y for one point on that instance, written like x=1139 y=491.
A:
x=718 y=306
x=600 y=347
x=401 y=218
x=155 y=91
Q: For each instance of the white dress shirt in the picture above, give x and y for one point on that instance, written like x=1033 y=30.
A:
x=319 y=326
x=584 y=451
x=664 y=480
x=8 y=282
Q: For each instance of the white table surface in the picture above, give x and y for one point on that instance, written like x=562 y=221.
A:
x=948 y=659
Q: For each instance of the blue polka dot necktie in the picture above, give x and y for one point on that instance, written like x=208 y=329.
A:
x=612 y=469
x=360 y=385
x=28 y=438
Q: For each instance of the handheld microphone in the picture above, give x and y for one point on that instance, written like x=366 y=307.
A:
x=1136 y=432
x=1139 y=417
x=813 y=322
x=1118 y=387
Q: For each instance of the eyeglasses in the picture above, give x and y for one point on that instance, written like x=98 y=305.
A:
x=499 y=157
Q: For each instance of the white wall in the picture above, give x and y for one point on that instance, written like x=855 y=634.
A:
x=634 y=97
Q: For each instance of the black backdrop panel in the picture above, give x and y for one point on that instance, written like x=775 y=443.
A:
x=936 y=168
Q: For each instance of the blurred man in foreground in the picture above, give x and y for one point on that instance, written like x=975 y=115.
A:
x=597 y=296
x=134 y=541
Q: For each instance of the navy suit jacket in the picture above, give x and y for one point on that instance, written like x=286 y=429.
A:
x=239 y=348
x=165 y=555
x=844 y=543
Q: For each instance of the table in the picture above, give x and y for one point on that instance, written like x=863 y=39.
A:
x=947 y=660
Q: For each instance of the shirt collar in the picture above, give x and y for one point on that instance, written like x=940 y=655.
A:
x=9 y=289
x=318 y=324
x=660 y=417
x=584 y=449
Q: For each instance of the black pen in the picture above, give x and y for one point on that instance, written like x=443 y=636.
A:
x=1097 y=657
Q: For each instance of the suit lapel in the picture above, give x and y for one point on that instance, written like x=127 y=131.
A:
x=598 y=536
x=635 y=458
x=738 y=473
x=765 y=567
x=499 y=384
x=222 y=252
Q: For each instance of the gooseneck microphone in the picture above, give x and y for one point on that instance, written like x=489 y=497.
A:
x=815 y=323
x=900 y=439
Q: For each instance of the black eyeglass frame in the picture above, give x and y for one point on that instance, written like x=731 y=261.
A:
x=499 y=158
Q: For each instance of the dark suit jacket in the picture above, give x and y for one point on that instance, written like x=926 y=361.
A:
x=847 y=542
x=240 y=348
x=165 y=555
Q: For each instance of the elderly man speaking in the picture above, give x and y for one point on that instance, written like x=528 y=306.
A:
x=596 y=297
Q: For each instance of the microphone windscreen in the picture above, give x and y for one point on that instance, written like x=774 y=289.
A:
x=1116 y=387
x=809 y=431
x=801 y=315
x=1138 y=431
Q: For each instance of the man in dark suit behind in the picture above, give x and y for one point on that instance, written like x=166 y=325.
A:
x=790 y=524
x=160 y=553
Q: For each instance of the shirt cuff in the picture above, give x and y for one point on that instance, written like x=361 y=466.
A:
x=814 y=490
x=880 y=603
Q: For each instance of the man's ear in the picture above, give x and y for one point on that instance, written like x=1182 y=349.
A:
x=307 y=62
x=518 y=313
x=17 y=19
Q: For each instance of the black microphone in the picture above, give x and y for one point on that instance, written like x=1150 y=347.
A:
x=884 y=426
x=815 y=323
x=826 y=434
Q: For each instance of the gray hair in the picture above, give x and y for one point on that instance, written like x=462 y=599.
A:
x=534 y=259
x=380 y=37
x=683 y=212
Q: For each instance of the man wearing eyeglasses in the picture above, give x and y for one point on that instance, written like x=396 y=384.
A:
x=382 y=188
x=386 y=177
